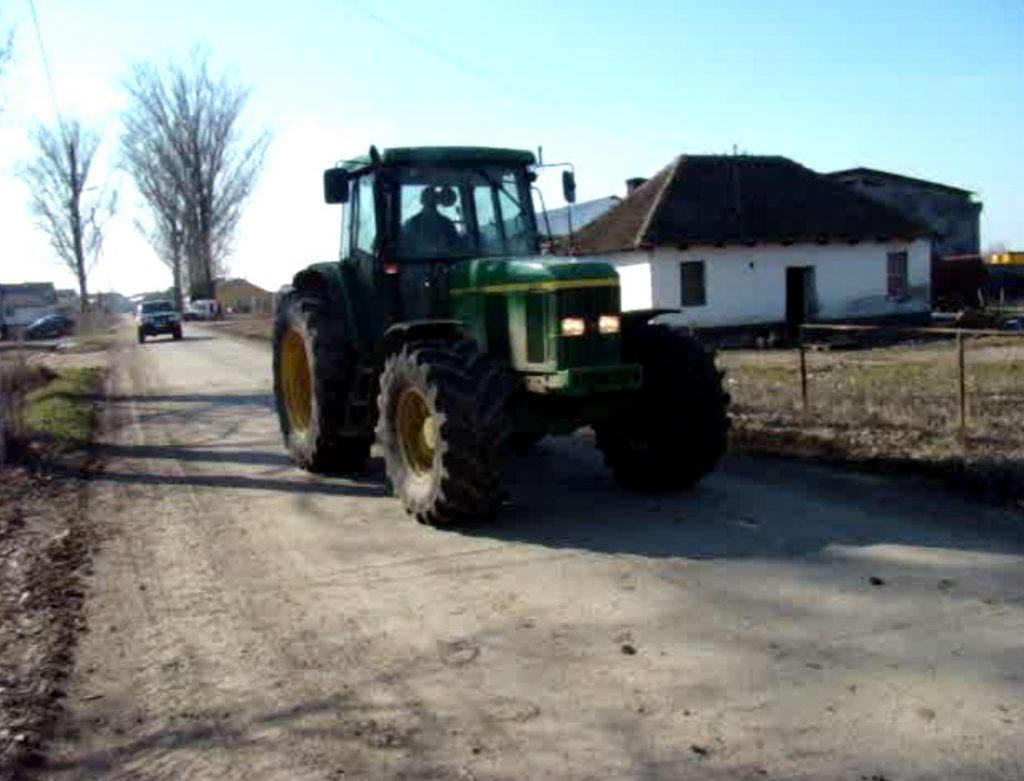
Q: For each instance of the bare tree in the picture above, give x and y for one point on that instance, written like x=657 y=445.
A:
x=6 y=52
x=192 y=163
x=71 y=214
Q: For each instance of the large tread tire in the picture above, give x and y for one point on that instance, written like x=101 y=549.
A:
x=677 y=431
x=466 y=397
x=316 y=443
x=523 y=442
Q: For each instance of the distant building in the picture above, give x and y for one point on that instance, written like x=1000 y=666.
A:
x=110 y=303
x=21 y=304
x=737 y=241
x=68 y=301
x=242 y=296
x=950 y=213
x=1005 y=277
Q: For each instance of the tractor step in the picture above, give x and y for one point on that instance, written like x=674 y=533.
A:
x=361 y=402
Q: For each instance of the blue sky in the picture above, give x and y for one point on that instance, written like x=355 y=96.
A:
x=934 y=90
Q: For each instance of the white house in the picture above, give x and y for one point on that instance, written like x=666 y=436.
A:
x=744 y=240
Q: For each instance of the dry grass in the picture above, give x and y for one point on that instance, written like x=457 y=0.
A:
x=260 y=327
x=892 y=406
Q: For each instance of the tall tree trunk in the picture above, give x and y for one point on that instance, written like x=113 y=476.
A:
x=76 y=227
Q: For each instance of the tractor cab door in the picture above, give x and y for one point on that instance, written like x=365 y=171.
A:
x=361 y=254
x=431 y=232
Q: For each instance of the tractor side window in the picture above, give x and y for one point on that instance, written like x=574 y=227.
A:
x=346 y=229
x=366 y=215
x=517 y=229
x=504 y=228
x=487 y=219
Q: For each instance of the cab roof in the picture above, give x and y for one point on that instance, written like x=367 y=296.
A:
x=444 y=155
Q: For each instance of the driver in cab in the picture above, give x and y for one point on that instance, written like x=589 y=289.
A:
x=429 y=232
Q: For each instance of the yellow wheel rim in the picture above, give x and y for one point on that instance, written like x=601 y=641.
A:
x=296 y=381
x=417 y=431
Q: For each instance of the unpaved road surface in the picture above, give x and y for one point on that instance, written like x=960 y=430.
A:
x=249 y=621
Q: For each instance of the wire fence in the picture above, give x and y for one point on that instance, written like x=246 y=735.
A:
x=934 y=394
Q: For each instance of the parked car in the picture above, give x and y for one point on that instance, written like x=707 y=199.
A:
x=50 y=327
x=157 y=317
x=202 y=309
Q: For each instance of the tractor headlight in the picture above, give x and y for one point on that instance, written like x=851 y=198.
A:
x=608 y=324
x=573 y=326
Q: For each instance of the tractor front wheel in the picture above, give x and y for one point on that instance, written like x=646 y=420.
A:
x=442 y=426
x=313 y=374
x=676 y=432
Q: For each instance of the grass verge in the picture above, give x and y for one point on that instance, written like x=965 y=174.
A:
x=60 y=416
x=46 y=538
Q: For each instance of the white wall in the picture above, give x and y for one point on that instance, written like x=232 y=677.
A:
x=635 y=283
x=747 y=285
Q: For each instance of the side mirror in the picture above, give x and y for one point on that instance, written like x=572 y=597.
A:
x=569 y=186
x=336 y=187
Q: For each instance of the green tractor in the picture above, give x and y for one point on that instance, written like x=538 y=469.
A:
x=446 y=337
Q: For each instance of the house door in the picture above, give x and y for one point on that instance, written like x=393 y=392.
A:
x=799 y=296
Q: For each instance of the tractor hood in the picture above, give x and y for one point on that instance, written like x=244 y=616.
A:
x=512 y=275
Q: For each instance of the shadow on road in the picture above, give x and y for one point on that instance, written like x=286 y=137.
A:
x=562 y=497
x=190 y=454
x=218 y=400
x=311 y=485
x=185 y=338
x=340 y=718
x=750 y=507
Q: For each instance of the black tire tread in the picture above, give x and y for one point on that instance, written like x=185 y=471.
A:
x=324 y=448
x=471 y=392
x=681 y=419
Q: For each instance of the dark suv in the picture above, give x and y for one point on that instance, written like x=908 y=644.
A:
x=157 y=317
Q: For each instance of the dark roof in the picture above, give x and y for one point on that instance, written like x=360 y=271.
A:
x=848 y=172
x=741 y=199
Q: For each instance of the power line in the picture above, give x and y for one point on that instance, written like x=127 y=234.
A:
x=46 y=67
x=478 y=73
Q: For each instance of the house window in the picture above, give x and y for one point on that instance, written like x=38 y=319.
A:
x=896 y=275
x=692 y=291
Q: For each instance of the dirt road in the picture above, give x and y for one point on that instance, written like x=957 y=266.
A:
x=250 y=621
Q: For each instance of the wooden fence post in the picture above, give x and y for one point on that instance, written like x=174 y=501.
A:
x=803 y=374
x=3 y=419
x=961 y=396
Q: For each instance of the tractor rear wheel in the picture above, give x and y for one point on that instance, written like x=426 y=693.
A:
x=442 y=426
x=313 y=374
x=676 y=432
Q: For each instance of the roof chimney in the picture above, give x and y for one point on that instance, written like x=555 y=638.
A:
x=633 y=184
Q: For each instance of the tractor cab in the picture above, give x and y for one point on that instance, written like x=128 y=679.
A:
x=437 y=203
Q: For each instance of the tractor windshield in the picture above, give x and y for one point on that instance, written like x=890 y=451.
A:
x=452 y=212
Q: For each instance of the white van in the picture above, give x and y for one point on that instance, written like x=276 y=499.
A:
x=202 y=309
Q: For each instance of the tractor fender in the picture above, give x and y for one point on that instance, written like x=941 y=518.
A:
x=330 y=281
x=417 y=330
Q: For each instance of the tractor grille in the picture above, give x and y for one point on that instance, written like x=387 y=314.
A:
x=593 y=348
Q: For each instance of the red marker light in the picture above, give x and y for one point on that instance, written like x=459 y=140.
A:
x=391 y=268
